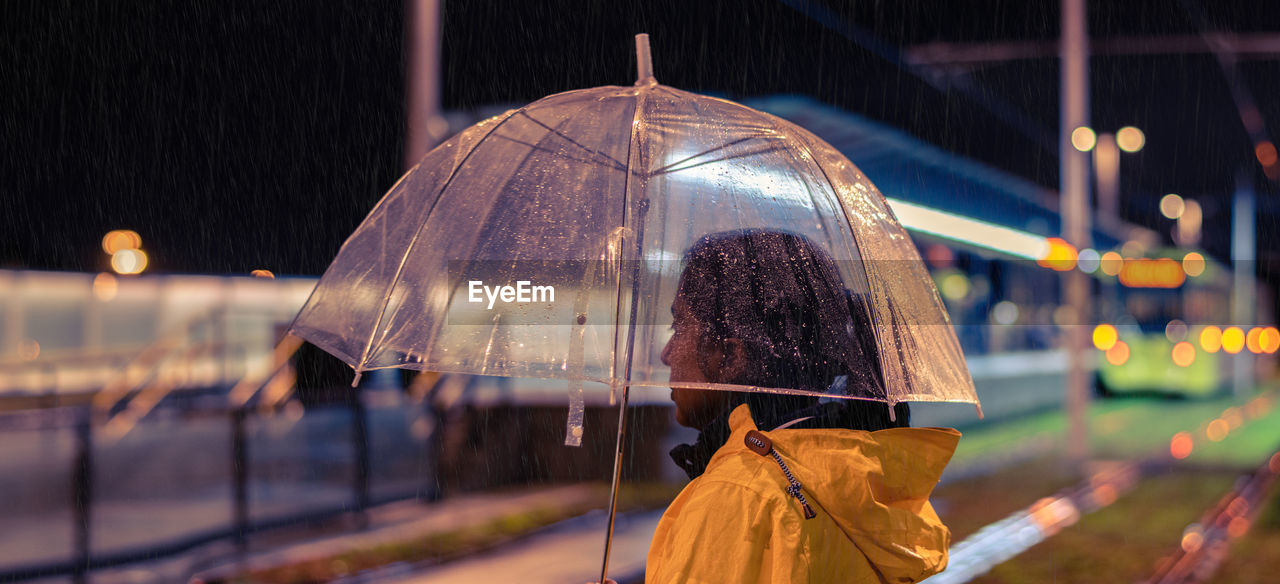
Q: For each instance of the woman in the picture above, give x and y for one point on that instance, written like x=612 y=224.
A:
x=785 y=488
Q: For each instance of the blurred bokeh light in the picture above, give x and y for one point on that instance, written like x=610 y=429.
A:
x=129 y=261
x=119 y=239
x=1130 y=139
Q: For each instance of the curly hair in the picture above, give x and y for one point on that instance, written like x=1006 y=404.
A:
x=783 y=299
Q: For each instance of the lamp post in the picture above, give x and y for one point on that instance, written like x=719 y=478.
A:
x=1074 y=121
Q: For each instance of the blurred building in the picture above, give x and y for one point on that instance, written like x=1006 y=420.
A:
x=989 y=238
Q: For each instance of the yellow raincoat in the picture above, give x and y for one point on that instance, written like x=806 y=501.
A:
x=737 y=523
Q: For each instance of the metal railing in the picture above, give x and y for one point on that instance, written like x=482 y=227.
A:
x=91 y=443
x=260 y=397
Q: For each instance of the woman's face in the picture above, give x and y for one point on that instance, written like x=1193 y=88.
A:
x=695 y=408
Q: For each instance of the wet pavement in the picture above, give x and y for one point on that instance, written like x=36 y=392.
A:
x=566 y=553
x=406 y=521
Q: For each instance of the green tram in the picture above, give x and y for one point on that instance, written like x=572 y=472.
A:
x=1161 y=325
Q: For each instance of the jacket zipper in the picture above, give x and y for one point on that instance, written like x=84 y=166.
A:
x=762 y=445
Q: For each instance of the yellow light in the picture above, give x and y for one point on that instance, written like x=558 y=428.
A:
x=1084 y=139
x=1193 y=264
x=1111 y=263
x=1130 y=139
x=1211 y=339
x=1118 y=354
x=1148 y=273
x=1191 y=541
x=262 y=274
x=119 y=239
x=1041 y=514
x=954 y=286
x=1184 y=354
x=1254 y=339
x=104 y=287
x=1270 y=339
x=1233 y=340
x=1172 y=206
x=129 y=261
x=1051 y=514
x=1061 y=255
x=1105 y=337
x=1217 y=430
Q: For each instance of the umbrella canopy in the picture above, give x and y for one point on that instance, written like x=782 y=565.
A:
x=550 y=241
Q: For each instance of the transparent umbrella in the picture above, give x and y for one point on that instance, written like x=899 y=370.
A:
x=549 y=242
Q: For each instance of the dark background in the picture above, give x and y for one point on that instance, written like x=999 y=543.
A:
x=235 y=135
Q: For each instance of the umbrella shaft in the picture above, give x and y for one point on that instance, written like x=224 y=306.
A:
x=617 y=476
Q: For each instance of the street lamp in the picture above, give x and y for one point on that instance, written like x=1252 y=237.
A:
x=124 y=248
x=129 y=261
x=1106 y=163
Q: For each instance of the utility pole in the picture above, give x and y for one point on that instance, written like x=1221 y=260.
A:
x=424 y=124
x=425 y=128
x=1074 y=164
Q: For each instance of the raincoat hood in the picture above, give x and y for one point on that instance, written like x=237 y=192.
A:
x=874 y=487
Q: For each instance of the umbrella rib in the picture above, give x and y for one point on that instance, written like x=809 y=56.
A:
x=853 y=243
x=617 y=164
x=804 y=143
x=778 y=126
x=316 y=288
x=705 y=152
x=386 y=300
x=548 y=150
x=669 y=168
x=553 y=130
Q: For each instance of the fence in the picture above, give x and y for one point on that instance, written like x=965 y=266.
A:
x=193 y=473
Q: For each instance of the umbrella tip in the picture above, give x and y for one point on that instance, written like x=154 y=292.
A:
x=644 y=64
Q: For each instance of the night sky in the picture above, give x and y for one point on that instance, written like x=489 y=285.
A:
x=234 y=135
